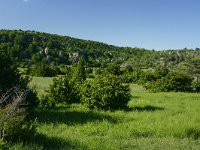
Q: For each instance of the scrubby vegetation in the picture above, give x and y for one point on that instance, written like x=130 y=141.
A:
x=62 y=91
x=152 y=120
x=105 y=92
x=90 y=95
x=16 y=103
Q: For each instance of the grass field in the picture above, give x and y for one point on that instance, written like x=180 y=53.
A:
x=152 y=121
x=41 y=84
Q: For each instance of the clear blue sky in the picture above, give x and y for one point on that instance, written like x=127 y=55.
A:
x=151 y=24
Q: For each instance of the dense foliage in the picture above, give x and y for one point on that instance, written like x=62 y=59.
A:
x=15 y=106
x=62 y=91
x=105 y=92
x=176 y=82
x=8 y=72
x=30 y=47
x=95 y=74
x=79 y=74
x=44 y=70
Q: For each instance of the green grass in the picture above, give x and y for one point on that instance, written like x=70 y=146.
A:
x=152 y=121
x=41 y=83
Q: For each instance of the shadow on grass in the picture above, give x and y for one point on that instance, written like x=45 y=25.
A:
x=135 y=97
x=193 y=133
x=41 y=141
x=71 y=117
x=144 y=108
x=52 y=142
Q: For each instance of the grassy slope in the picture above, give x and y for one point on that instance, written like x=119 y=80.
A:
x=153 y=121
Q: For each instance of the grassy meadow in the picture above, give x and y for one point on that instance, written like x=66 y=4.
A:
x=151 y=121
x=41 y=84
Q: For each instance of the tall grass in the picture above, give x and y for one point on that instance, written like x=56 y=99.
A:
x=151 y=121
x=41 y=83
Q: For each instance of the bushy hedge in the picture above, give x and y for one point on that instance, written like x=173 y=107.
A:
x=105 y=92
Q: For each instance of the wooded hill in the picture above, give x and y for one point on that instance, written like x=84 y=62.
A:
x=29 y=47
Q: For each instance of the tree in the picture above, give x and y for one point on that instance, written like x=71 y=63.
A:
x=9 y=75
x=42 y=69
x=13 y=114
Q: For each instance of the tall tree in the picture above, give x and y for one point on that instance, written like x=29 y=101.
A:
x=9 y=75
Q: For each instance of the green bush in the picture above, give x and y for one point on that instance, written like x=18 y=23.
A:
x=79 y=74
x=105 y=92
x=10 y=122
x=135 y=75
x=15 y=122
x=196 y=86
x=63 y=90
x=160 y=72
x=114 y=69
x=145 y=77
x=176 y=82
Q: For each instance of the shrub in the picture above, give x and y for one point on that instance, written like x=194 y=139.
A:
x=196 y=86
x=105 y=92
x=63 y=90
x=114 y=69
x=79 y=74
x=14 y=122
x=147 y=76
x=160 y=72
x=10 y=122
x=125 y=78
x=176 y=82
x=135 y=75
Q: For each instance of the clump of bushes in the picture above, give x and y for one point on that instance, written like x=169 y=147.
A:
x=163 y=80
x=176 y=82
x=105 y=92
x=63 y=90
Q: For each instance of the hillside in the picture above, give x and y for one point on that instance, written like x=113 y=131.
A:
x=31 y=47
